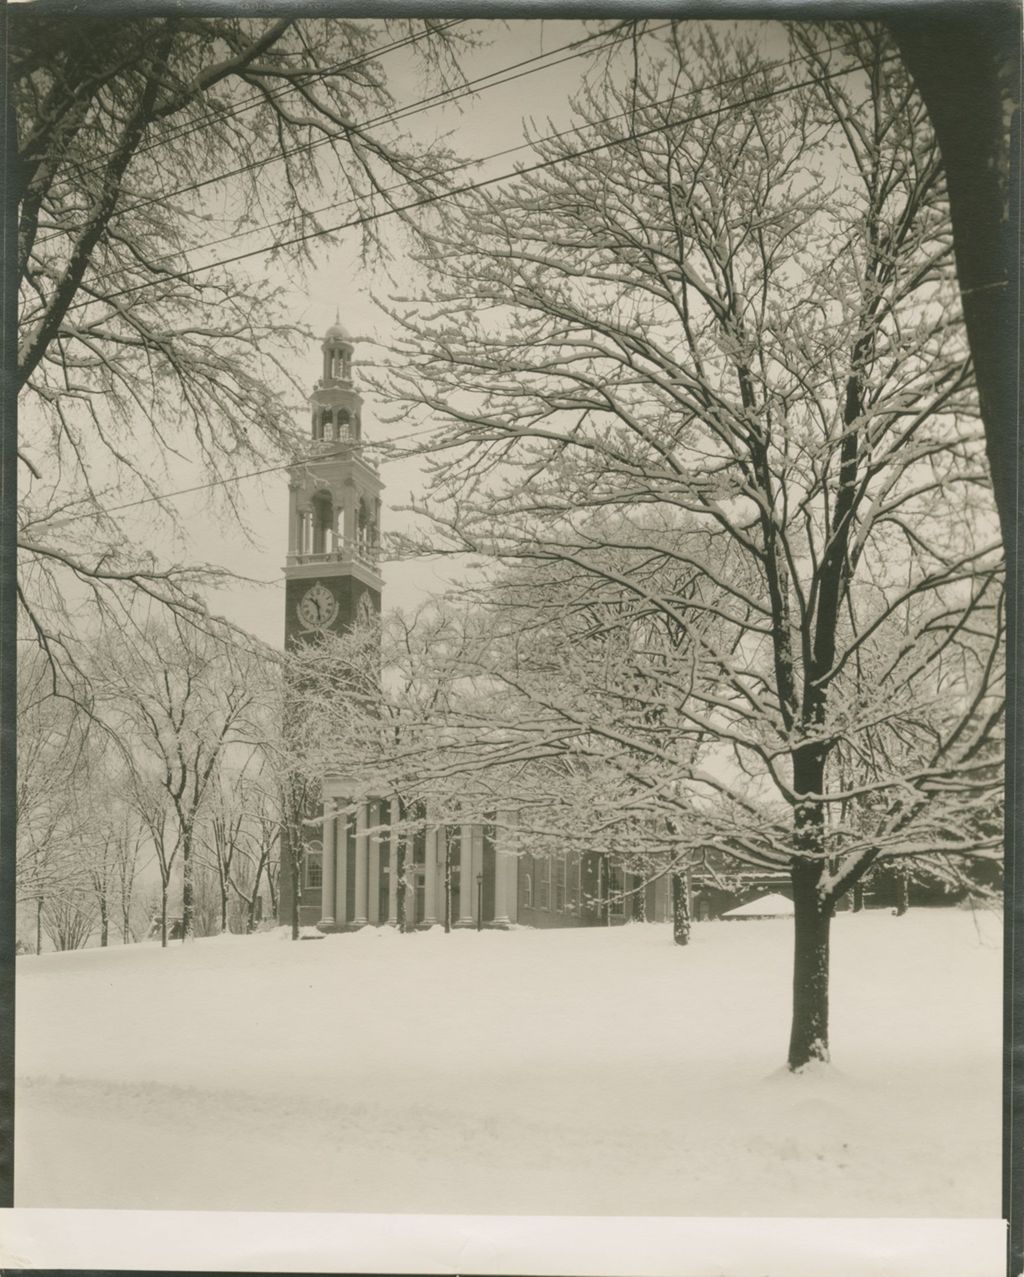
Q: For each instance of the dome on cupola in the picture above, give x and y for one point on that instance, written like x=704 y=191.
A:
x=337 y=333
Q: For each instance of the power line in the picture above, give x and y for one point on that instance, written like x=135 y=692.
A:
x=425 y=201
x=493 y=155
x=301 y=81
x=407 y=112
x=469 y=187
x=199 y=487
x=480 y=84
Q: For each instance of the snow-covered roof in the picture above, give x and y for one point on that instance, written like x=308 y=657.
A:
x=773 y=905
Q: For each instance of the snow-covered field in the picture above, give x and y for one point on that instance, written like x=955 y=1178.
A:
x=528 y=1072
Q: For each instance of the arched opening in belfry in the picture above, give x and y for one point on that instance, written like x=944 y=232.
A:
x=323 y=522
x=339 y=365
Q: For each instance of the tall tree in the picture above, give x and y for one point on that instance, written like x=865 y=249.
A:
x=148 y=149
x=737 y=303
x=180 y=700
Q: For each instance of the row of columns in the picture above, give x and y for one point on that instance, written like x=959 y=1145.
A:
x=342 y=531
x=368 y=853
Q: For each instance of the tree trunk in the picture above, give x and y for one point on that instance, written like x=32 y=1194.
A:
x=223 y=909
x=296 y=873
x=809 y=1033
x=401 y=885
x=858 y=897
x=680 y=911
x=39 y=926
x=250 y=920
x=640 y=900
x=104 y=923
x=187 y=889
x=163 y=915
x=966 y=65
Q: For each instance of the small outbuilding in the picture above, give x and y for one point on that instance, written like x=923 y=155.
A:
x=773 y=905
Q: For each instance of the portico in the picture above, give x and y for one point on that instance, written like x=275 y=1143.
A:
x=462 y=868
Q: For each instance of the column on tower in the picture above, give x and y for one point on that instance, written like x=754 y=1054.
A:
x=293 y=521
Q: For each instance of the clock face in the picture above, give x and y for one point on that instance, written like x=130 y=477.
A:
x=318 y=607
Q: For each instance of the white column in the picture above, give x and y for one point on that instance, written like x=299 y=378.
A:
x=373 y=889
x=430 y=876
x=341 y=838
x=393 y=866
x=501 y=906
x=359 y=912
x=505 y=873
x=328 y=878
x=467 y=883
x=511 y=865
x=478 y=869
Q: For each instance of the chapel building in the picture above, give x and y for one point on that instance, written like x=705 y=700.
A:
x=332 y=580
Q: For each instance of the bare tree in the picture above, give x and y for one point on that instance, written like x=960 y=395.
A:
x=180 y=700
x=739 y=306
x=149 y=148
x=69 y=917
x=52 y=814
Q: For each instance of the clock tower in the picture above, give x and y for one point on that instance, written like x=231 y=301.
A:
x=332 y=574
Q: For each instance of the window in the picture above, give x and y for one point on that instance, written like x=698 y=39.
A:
x=544 y=882
x=558 y=902
x=314 y=864
x=418 y=812
x=528 y=883
x=616 y=888
x=572 y=884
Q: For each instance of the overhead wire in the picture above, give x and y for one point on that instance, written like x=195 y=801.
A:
x=478 y=160
x=543 y=164
x=479 y=85
x=473 y=87
x=303 y=80
x=425 y=201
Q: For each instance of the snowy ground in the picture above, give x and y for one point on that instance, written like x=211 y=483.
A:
x=548 y=1072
